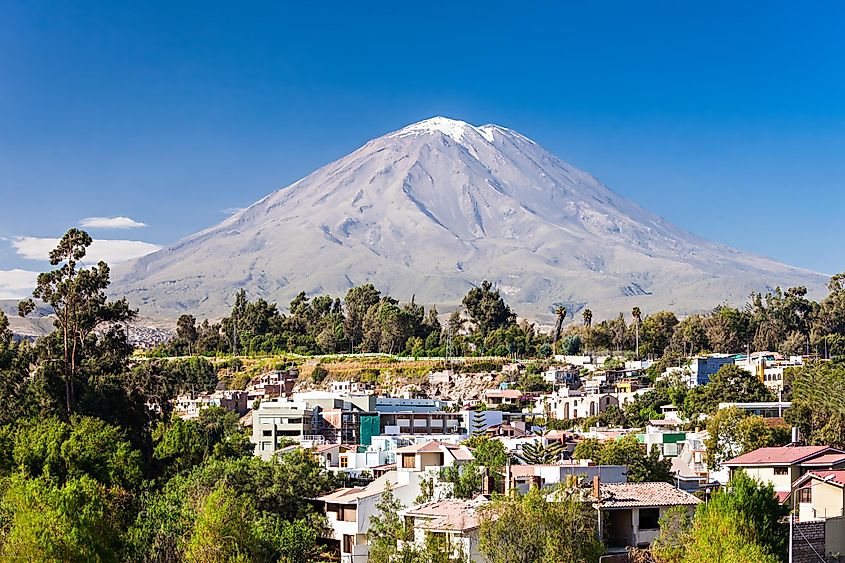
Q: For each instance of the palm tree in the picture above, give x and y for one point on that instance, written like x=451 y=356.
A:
x=638 y=315
x=588 y=321
x=538 y=454
x=561 y=315
x=588 y=317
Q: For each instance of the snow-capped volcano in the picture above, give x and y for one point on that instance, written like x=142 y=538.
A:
x=436 y=207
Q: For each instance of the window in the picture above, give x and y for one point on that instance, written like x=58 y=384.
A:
x=781 y=471
x=344 y=461
x=409 y=461
x=348 y=543
x=649 y=518
x=266 y=432
x=805 y=494
x=346 y=513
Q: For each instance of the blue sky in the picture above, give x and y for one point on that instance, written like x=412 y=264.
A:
x=728 y=119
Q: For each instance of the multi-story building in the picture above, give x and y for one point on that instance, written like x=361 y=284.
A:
x=784 y=465
x=701 y=368
x=278 y=421
x=348 y=510
x=408 y=422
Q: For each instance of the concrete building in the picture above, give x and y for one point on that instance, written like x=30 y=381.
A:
x=819 y=499
x=569 y=472
x=280 y=420
x=348 y=510
x=701 y=368
x=769 y=367
x=567 y=404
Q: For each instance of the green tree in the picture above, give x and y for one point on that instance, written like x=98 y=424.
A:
x=358 y=301
x=224 y=529
x=539 y=454
x=730 y=384
x=642 y=466
x=535 y=529
x=78 y=299
x=487 y=451
x=742 y=522
x=637 y=314
x=731 y=432
x=818 y=402
x=186 y=332
x=560 y=316
x=77 y=521
x=386 y=528
x=657 y=330
x=487 y=310
x=215 y=434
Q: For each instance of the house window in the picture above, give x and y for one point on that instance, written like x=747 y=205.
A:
x=805 y=495
x=267 y=432
x=348 y=543
x=344 y=461
x=649 y=518
x=346 y=513
x=409 y=461
x=781 y=471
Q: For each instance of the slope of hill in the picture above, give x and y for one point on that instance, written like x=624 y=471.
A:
x=436 y=207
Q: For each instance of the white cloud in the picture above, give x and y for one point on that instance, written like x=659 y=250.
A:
x=111 y=223
x=110 y=251
x=16 y=284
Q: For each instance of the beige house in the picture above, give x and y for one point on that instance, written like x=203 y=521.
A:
x=420 y=457
x=348 y=510
x=819 y=496
x=630 y=512
x=784 y=465
x=455 y=521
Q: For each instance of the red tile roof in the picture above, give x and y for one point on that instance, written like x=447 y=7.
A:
x=783 y=455
x=633 y=495
x=835 y=477
x=826 y=460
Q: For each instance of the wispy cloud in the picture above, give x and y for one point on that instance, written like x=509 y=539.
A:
x=110 y=251
x=16 y=284
x=111 y=223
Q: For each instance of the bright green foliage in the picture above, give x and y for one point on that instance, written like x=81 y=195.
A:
x=277 y=491
x=730 y=384
x=732 y=432
x=642 y=466
x=215 y=434
x=465 y=479
x=534 y=529
x=84 y=447
x=740 y=523
x=818 y=403
x=224 y=530
x=487 y=451
x=78 y=521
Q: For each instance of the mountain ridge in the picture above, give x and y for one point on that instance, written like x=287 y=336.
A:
x=434 y=208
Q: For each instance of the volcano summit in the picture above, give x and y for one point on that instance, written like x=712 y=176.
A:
x=436 y=207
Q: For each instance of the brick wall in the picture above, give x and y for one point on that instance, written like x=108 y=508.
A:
x=805 y=537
